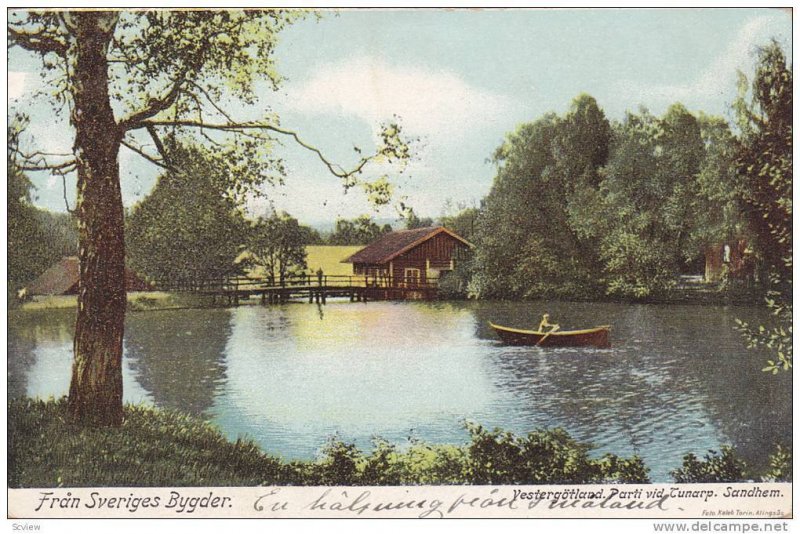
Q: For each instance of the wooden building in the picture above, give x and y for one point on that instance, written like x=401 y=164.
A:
x=410 y=258
x=734 y=257
x=62 y=279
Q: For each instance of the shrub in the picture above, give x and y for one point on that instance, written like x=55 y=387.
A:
x=544 y=457
x=339 y=465
x=780 y=466
x=716 y=467
x=454 y=284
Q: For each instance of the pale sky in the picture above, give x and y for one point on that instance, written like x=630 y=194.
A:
x=460 y=80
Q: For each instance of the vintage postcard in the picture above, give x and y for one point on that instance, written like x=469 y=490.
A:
x=400 y=263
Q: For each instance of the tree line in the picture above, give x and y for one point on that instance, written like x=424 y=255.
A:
x=192 y=226
x=585 y=207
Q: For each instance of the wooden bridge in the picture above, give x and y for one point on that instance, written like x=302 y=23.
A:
x=314 y=288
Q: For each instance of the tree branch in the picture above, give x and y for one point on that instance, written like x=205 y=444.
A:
x=211 y=101
x=66 y=166
x=157 y=140
x=41 y=41
x=37 y=162
x=154 y=106
x=64 y=190
x=147 y=156
x=336 y=170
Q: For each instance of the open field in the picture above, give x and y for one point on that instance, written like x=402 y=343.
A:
x=329 y=258
x=326 y=257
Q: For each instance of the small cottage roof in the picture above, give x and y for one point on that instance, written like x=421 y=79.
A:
x=59 y=279
x=393 y=244
x=62 y=278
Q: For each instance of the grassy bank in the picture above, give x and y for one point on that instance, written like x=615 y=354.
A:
x=137 y=301
x=151 y=448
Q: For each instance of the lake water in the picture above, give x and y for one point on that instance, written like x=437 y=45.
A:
x=678 y=378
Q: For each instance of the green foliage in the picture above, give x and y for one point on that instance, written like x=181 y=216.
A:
x=190 y=227
x=455 y=284
x=339 y=465
x=780 y=466
x=463 y=223
x=580 y=207
x=36 y=238
x=360 y=231
x=716 y=208
x=421 y=463
x=764 y=161
x=527 y=244
x=227 y=49
x=776 y=337
x=311 y=236
x=30 y=246
x=413 y=221
x=544 y=457
x=715 y=467
x=277 y=245
x=726 y=466
x=643 y=221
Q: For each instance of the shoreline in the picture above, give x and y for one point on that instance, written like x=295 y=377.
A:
x=159 y=447
x=168 y=301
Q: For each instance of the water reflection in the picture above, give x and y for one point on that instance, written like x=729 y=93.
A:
x=677 y=378
x=39 y=352
x=178 y=356
x=383 y=372
x=40 y=356
x=672 y=383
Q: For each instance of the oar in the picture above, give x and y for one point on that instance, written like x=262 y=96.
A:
x=538 y=343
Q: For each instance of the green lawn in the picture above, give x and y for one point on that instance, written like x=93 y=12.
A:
x=139 y=300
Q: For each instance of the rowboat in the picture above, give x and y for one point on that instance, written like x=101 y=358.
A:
x=591 y=337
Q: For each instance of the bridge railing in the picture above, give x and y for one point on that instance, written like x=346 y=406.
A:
x=327 y=281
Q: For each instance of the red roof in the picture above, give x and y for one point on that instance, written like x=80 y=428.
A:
x=62 y=279
x=59 y=279
x=392 y=245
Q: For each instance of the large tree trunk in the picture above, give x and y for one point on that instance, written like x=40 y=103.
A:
x=95 y=393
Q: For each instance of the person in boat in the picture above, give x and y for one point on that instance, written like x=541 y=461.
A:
x=547 y=324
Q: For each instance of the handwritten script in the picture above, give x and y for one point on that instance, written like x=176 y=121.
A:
x=758 y=500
